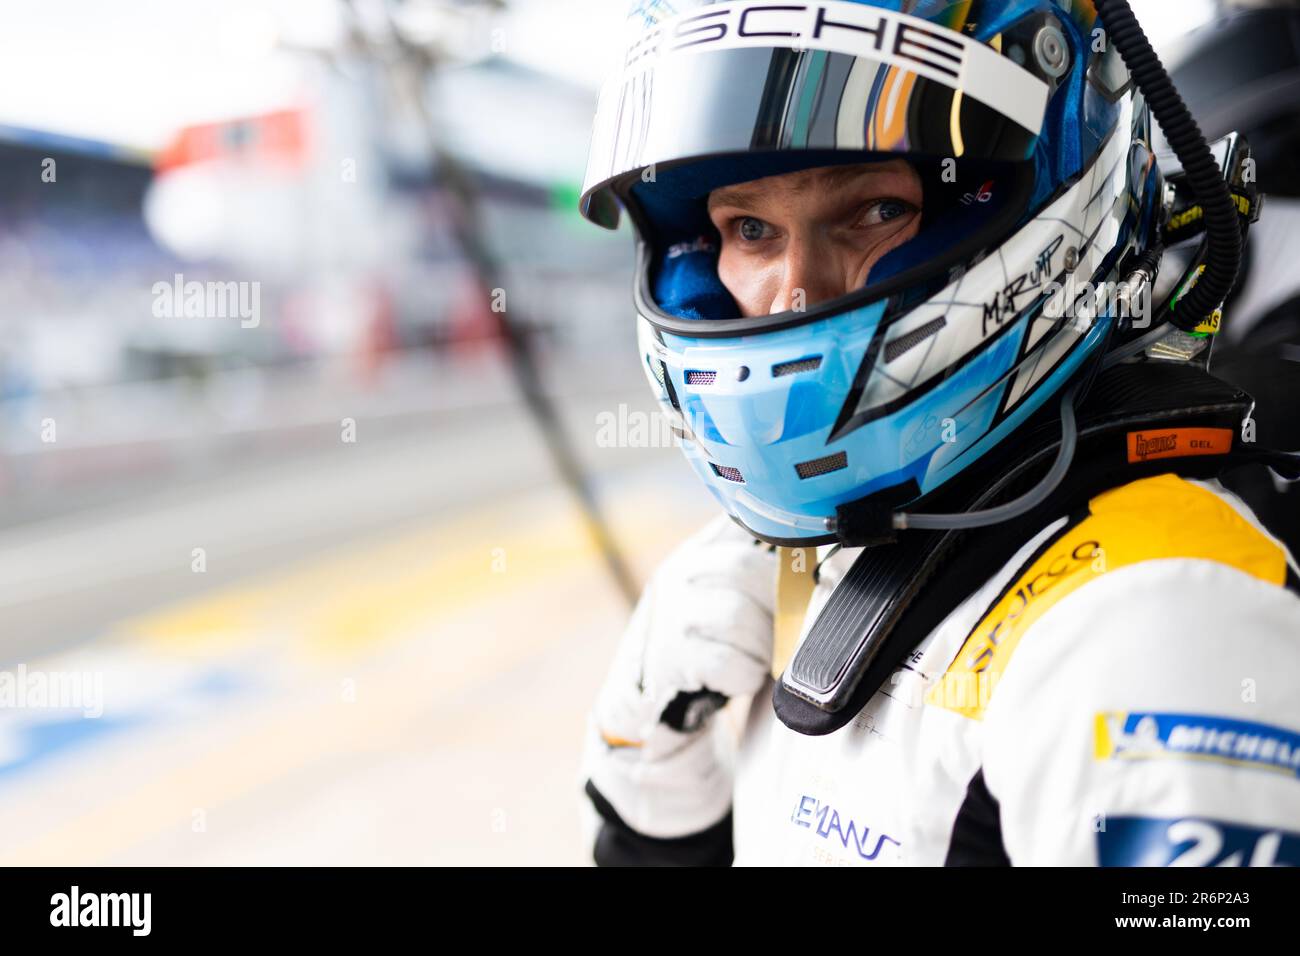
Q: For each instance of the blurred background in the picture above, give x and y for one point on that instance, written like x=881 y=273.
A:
x=313 y=543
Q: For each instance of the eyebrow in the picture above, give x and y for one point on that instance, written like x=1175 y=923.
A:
x=827 y=178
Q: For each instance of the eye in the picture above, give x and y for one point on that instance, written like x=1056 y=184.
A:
x=885 y=210
x=751 y=229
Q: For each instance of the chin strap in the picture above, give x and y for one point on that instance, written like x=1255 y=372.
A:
x=795 y=580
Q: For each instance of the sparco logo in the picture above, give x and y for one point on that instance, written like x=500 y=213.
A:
x=1160 y=444
x=1060 y=567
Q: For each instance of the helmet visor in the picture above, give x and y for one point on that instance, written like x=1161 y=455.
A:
x=700 y=79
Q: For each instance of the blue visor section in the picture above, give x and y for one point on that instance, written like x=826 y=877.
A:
x=759 y=415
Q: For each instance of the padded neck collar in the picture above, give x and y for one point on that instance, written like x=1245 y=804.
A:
x=873 y=618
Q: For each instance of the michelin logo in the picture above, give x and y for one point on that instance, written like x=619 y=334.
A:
x=1243 y=743
x=1193 y=841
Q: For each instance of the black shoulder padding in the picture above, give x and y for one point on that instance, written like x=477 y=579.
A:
x=618 y=844
x=977 y=831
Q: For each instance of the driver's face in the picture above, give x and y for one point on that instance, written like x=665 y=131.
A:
x=799 y=239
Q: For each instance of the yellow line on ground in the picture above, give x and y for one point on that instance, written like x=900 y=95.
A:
x=367 y=593
x=442 y=574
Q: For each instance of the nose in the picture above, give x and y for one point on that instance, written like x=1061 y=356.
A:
x=809 y=276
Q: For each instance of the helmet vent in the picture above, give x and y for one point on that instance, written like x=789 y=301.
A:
x=822 y=466
x=731 y=474
x=809 y=364
x=656 y=369
x=700 y=377
x=914 y=338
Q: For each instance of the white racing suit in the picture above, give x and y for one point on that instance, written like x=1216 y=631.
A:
x=1123 y=691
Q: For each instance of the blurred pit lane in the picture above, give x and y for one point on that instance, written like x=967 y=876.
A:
x=284 y=646
x=387 y=660
x=389 y=652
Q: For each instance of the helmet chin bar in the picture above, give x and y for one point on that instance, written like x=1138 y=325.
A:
x=873 y=520
x=1017 y=507
x=797 y=522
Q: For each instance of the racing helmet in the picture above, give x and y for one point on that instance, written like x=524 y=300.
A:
x=1033 y=150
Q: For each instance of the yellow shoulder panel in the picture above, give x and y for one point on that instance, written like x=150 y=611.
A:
x=1160 y=517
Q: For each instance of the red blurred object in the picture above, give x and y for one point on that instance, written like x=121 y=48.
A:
x=380 y=332
x=278 y=138
x=471 y=322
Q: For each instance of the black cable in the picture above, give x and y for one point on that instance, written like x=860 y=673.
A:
x=464 y=221
x=1223 y=232
x=1017 y=506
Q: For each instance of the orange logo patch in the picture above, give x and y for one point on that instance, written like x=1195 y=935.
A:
x=1178 y=443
